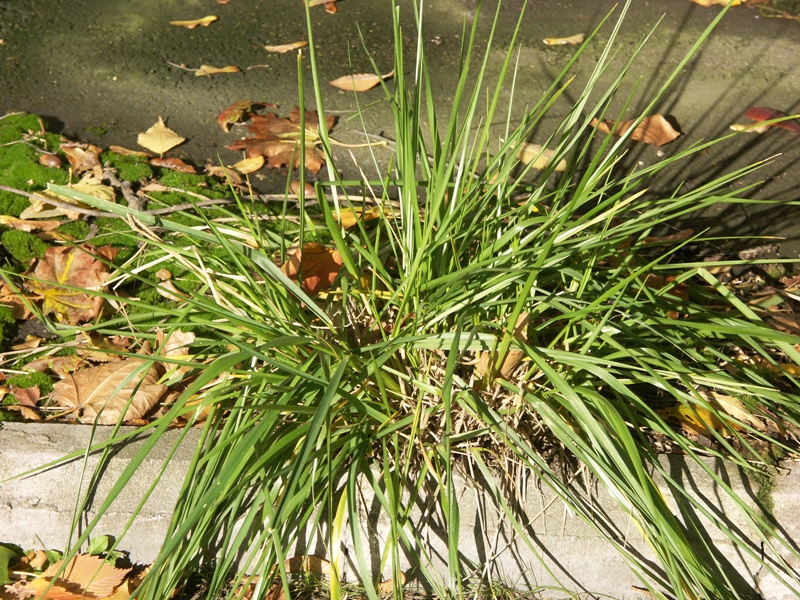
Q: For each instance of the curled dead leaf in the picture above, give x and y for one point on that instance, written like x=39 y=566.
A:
x=208 y=70
x=655 y=129
x=760 y=114
x=563 y=41
x=249 y=165
x=204 y=22
x=282 y=48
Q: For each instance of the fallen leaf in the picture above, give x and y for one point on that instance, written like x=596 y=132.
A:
x=318 y=266
x=106 y=390
x=159 y=138
x=84 y=157
x=208 y=70
x=27 y=396
x=308 y=564
x=204 y=22
x=513 y=357
x=360 y=82
x=40 y=209
x=236 y=112
x=28 y=225
x=177 y=344
x=175 y=164
x=538 y=157
x=278 y=138
x=655 y=129
x=60 y=365
x=717 y=2
x=387 y=587
x=308 y=189
x=127 y=152
x=563 y=41
x=735 y=408
x=282 y=48
x=762 y=113
x=14 y=301
x=84 y=576
x=224 y=173
x=348 y=217
x=249 y=165
x=329 y=5
x=65 y=277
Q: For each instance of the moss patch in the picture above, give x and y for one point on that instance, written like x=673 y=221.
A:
x=22 y=246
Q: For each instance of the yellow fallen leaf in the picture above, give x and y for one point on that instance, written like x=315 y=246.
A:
x=280 y=49
x=655 y=129
x=208 y=70
x=360 y=82
x=348 y=217
x=249 y=165
x=563 y=41
x=159 y=138
x=751 y=128
x=539 y=156
x=733 y=407
x=204 y=22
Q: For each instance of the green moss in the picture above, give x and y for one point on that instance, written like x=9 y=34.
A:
x=96 y=131
x=129 y=168
x=76 y=229
x=42 y=380
x=8 y=326
x=22 y=246
x=19 y=163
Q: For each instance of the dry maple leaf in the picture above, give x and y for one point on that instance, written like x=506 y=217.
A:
x=318 y=266
x=278 y=139
x=655 y=129
x=360 y=82
x=84 y=576
x=106 y=390
x=65 y=279
x=159 y=138
x=204 y=22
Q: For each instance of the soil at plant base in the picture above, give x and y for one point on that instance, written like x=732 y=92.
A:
x=104 y=70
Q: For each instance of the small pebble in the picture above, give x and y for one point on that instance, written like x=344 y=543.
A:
x=50 y=160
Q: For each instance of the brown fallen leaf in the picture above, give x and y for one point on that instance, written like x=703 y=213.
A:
x=175 y=164
x=224 y=173
x=360 y=82
x=655 y=129
x=563 y=41
x=277 y=139
x=27 y=396
x=329 y=5
x=208 y=70
x=538 y=157
x=204 y=22
x=159 y=138
x=128 y=152
x=308 y=564
x=103 y=392
x=282 y=48
x=236 y=112
x=513 y=357
x=65 y=279
x=40 y=209
x=84 y=157
x=85 y=576
x=348 y=217
x=385 y=588
x=27 y=224
x=762 y=113
x=318 y=266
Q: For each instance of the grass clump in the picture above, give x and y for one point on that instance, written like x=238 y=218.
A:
x=369 y=398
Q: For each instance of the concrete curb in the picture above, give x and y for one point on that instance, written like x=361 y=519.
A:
x=567 y=552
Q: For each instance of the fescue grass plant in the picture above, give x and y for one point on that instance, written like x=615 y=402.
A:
x=305 y=402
